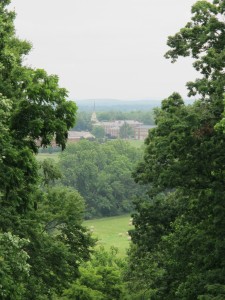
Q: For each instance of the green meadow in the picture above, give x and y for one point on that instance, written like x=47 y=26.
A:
x=112 y=231
x=42 y=156
x=136 y=143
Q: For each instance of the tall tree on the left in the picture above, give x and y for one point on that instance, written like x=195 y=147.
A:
x=33 y=107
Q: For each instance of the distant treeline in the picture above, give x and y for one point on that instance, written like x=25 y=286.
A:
x=115 y=104
x=147 y=117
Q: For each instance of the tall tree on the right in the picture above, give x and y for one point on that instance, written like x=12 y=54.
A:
x=204 y=40
x=179 y=237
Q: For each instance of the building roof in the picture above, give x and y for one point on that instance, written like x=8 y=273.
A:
x=119 y=123
x=79 y=134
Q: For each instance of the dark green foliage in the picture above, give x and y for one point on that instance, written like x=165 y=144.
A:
x=32 y=107
x=42 y=242
x=14 y=267
x=180 y=241
x=100 y=278
x=102 y=175
x=58 y=242
x=44 y=112
x=178 y=250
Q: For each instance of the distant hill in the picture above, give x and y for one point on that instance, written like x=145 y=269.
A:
x=116 y=105
x=119 y=105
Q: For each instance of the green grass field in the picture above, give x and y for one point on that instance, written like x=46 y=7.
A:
x=42 y=156
x=111 y=231
x=136 y=143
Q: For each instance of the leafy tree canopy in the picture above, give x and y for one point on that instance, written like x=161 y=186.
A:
x=98 y=132
x=147 y=117
x=102 y=175
x=33 y=107
x=100 y=278
x=178 y=244
x=126 y=131
x=14 y=266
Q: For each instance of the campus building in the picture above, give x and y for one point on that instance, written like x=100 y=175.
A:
x=141 y=132
x=75 y=136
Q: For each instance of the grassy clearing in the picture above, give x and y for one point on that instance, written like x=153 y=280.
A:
x=112 y=231
x=136 y=143
x=42 y=156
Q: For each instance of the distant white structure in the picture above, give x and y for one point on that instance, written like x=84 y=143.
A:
x=75 y=136
x=94 y=118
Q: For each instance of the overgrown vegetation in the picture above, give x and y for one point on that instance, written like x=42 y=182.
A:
x=178 y=242
x=102 y=175
x=147 y=117
x=37 y=228
x=100 y=278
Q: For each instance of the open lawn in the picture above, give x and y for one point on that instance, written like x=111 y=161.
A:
x=136 y=143
x=42 y=156
x=112 y=231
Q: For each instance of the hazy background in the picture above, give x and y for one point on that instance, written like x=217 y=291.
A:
x=107 y=48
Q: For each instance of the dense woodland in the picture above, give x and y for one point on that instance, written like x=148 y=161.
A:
x=36 y=227
x=101 y=173
x=179 y=237
x=178 y=243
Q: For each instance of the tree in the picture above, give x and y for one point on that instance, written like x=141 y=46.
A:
x=111 y=115
x=56 y=235
x=203 y=39
x=98 y=132
x=83 y=121
x=14 y=266
x=100 y=278
x=126 y=131
x=184 y=161
x=147 y=117
x=34 y=108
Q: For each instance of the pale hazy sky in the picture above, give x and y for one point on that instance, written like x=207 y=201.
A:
x=107 y=48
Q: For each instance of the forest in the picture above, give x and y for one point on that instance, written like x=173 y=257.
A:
x=173 y=186
x=101 y=173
